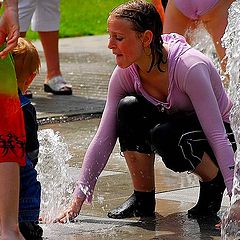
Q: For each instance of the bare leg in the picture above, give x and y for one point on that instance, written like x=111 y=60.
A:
x=141 y=167
x=206 y=170
x=216 y=26
x=142 y=202
x=182 y=23
x=58 y=85
x=9 y=195
x=49 y=42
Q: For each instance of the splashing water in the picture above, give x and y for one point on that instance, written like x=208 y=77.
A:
x=201 y=40
x=53 y=173
x=231 y=41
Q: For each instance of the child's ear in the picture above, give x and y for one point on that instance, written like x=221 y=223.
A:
x=147 y=38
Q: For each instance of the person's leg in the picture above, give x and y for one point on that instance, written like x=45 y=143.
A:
x=29 y=202
x=142 y=202
x=136 y=116
x=212 y=187
x=46 y=21
x=215 y=23
x=49 y=42
x=9 y=195
x=191 y=153
x=206 y=169
x=175 y=21
x=141 y=167
x=26 y=10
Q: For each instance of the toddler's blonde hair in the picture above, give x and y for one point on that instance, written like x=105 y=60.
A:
x=26 y=59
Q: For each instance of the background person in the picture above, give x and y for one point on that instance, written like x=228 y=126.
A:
x=12 y=132
x=44 y=18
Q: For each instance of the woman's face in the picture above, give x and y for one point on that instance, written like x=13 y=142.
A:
x=125 y=43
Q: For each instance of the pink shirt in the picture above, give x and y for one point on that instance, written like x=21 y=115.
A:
x=194 y=84
x=193 y=9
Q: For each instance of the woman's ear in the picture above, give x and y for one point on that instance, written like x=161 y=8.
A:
x=147 y=38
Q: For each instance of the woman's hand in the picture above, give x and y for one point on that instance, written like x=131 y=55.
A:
x=9 y=27
x=71 y=212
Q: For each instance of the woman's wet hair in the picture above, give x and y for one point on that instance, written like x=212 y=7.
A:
x=144 y=16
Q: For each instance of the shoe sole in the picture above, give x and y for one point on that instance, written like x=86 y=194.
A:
x=50 y=90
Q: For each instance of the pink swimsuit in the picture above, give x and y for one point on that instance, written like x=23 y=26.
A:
x=193 y=9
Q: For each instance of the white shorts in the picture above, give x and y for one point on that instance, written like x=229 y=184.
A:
x=43 y=15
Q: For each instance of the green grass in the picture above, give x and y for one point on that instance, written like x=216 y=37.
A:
x=81 y=18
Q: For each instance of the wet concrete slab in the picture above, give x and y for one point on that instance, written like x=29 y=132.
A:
x=87 y=64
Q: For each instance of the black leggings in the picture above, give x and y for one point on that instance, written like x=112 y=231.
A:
x=177 y=138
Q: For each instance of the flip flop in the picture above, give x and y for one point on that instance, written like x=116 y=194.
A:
x=58 y=86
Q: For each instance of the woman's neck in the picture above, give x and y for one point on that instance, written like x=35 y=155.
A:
x=145 y=65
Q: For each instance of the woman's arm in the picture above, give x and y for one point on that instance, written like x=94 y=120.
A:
x=202 y=91
x=105 y=138
x=99 y=149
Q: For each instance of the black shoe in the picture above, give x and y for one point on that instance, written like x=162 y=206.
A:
x=139 y=204
x=210 y=198
x=31 y=230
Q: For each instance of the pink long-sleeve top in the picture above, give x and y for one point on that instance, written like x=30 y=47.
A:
x=194 y=84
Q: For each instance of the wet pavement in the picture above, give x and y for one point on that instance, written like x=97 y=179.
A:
x=87 y=64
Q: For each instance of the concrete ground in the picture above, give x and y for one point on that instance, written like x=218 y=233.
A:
x=86 y=63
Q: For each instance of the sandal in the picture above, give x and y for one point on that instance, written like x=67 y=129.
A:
x=58 y=86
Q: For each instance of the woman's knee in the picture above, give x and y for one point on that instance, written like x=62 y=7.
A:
x=127 y=108
x=133 y=129
x=165 y=142
x=160 y=136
